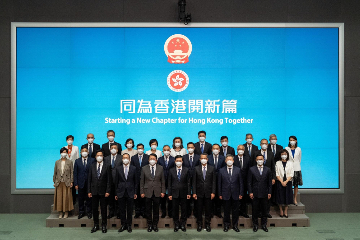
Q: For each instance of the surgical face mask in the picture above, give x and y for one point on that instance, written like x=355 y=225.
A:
x=177 y=145
x=99 y=158
x=229 y=163
x=69 y=142
x=284 y=157
x=292 y=143
x=203 y=161
x=264 y=146
x=215 y=151
x=84 y=154
x=260 y=162
x=111 y=138
x=224 y=144
x=129 y=145
x=90 y=140
x=63 y=155
x=273 y=142
x=240 y=152
x=178 y=164
x=113 y=151
x=166 y=153
x=191 y=150
x=152 y=162
x=202 y=139
x=140 y=151
x=126 y=161
x=153 y=147
x=249 y=140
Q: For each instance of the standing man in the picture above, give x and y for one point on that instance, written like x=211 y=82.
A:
x=152 y=187
x=99 y=186
x=231 y=190
x=259 y=187
x=204 y=188
x=126 y=184
x=167 y=162
x=106 y=146
x=91 y=146
x=81 y=170
x=275 y=148
x=202 y=146
x=250 y=148
x=179 y=191
x=225 y=148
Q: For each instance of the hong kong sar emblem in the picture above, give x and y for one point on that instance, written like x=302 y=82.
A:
x=178 y=49
x=178 y=81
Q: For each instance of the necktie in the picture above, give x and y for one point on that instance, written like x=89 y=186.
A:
x=225 y=151
x=260 y=169
x=264 y=158
x=140 y=158
x=241 y=162
x=90 y=150
x=179 y=174
x=202 y=148
x=126 y=172
x=84 y=162
x=166 y=162
x=230 y=172
x=152 y=172
x=249 y=150
x=204 y=173
x=215 y=162
x=274 y=150
x=191 y=161
x=113 y=162
x=98 y=171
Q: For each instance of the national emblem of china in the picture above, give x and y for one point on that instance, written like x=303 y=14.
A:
x=178 y=49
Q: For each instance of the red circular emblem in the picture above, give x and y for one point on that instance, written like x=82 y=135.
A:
x=178 y=49
x=178 y=81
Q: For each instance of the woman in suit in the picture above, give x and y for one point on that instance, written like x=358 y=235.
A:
x=153 y=145
x=63 y=182
x=284 y=174
x=129 y=143
x=177 y=147
x=295 y=158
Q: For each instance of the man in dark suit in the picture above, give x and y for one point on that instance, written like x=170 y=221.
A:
x=167 y=162
x=204 y=188
x=218 y=161
x=99 y=186
x=106 y=146
x=190 y=160
x=242 y=161
x=250 y=148
x=268 y=162
x=231 y=190
x=152 y=187
x=275 y=148
x=179 y=191
x=126 y=183
x=259 y=187
x=202 y=146
x=91 y=146
x=81 y=169
x=225 y=148
x=139 y=161
x=114 y=160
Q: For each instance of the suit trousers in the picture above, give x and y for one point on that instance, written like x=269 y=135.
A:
x=259 y=205
x=182 y=202
x=126 y=205
x=217 y=202
x=200 y=203
x=244 y=201
x=84 y=200
x=152 y=210
x=139 y=204
x=163 y=202
x=190 y=204
x=73 y=191
x=95 y=207
x=232 y=206
x=113 y=204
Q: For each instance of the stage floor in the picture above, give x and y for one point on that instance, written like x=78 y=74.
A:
x=323 y=226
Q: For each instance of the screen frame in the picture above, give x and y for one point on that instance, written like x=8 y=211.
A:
x=341 y=100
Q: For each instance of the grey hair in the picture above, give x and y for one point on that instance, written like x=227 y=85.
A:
x=272 y=135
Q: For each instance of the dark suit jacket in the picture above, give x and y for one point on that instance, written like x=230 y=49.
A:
x=270 y=163
x=204 y=188
x=259 y=185
x=230 y=150
x=246 y=166
x=95 y=148
x=103 y=184
x=118 y=161
x=106 y=149
x=278 y=150
x=136 y=163
x=207 y=148
x=176 y=188
x=230 y=187
x=221 y=162
x=149 y=185
x=121 y=183
x=186 y=163
x=171 y=164
x=253 y=150
x=81 y=171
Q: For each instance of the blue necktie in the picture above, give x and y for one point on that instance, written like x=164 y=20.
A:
x=179 y=175
x=260 y=171
x=98 y=172
x=204 y=173
x=85 y=163
x=152 y=172
x=166 y=162
x=202 y=148
x=140 y=160
x=225 y=151
x=113 y=162
x=264 y=158
x=274 y=150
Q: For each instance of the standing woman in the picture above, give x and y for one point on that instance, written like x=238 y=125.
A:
x=153 y=145
x=63 y=182
x=295 y=158
x=177 y=147
x=284 y=175
x=73 y=154
x=129 y=143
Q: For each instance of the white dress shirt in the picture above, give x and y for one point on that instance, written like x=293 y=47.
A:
x=126 y=166
x=154 y=169
x=262 y=153
x=232 y=169
x=85 y=161
x=99 y=164
x=241 y=160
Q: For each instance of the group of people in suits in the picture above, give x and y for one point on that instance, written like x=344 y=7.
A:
x=207 y=178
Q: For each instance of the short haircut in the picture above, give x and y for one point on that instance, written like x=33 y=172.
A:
x=113 y=144
x=272 y=135
x=190 y=143
x=166 y=146
x=140 y=145
x=128 y=140
x=224 y=137
x=289 y=145
x=203 y=154
x=259 y=155
x=99 y=150
x=153 y=154
x=153 y=141
x=110 y=131
x=178 y=156
x=249 y=134
x=126 y=154
x=215 y=144
x=69 y=136
x=84 y=147
x=264 y=139
x=64 y=149
x=229 y=155
x=287 y=154
x=202 y=131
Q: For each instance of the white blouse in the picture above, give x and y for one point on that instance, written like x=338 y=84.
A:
x=174 y=153
x=296 y=160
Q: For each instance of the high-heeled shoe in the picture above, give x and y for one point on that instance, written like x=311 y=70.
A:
x=281 y=216
x=286 y=216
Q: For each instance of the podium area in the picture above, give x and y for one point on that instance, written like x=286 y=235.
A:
x=297 y=218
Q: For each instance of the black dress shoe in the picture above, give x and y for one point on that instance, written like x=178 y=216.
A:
x=219 y=215
x=208 y=228
x=264 y=228
x=129 y=229
x=199 y=228
x=183 y=228
x=95 y=228
x=269 y=215
x=163 y=215
x=81 y=215
x=246 y=216
x=118 y=216
x=236 y=229
x=122 y=228
x=255 y=228
x=89 y=215
x=110 y=216
x=104 y=230
x=155 y=228
x=226 y=229
x=137 y=215
x=149 y=228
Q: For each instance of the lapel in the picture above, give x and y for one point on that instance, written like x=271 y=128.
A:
x=257 y=173
x=122 y=174
x=207 y=173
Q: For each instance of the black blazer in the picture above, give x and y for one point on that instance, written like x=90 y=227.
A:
x=221 y=162
x=106 y=149
x=118 y=161
x=207 y=148
x=270 y=163
x=254 y=148
x=277 y=156
x=176 y=188
x=259 y=185
x=186 y=163
x=171 y=164
x=121 y=183
x=246 y=167
x=230 y=150
x=230 y=187
x=95 y=148
x=204 y=188
x=103 y=184
x=136 y=163
x=81 y=171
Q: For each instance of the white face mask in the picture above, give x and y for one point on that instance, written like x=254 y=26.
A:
x=283 y=157
x=178 y=164
x=99 y=159
x=177 y=145
x=152 y=162
x=229 y=163
x=90 y=140
x=191 y=150
x=129 y=145
x=125 y=161
x=264 y=146
x=166 y=153
x=260 y=162
x=203 y=161
x=240 y=152
x=215 y=151
x=111 y=138
x=153 y=147
x=84 y=154
x=63 y=155
x=140 y=151
x=249 y=140
x=113 y=151
x=69 y=142
x=202 y=139
x=224 y=144
x=273 y=142
x=292 y=143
